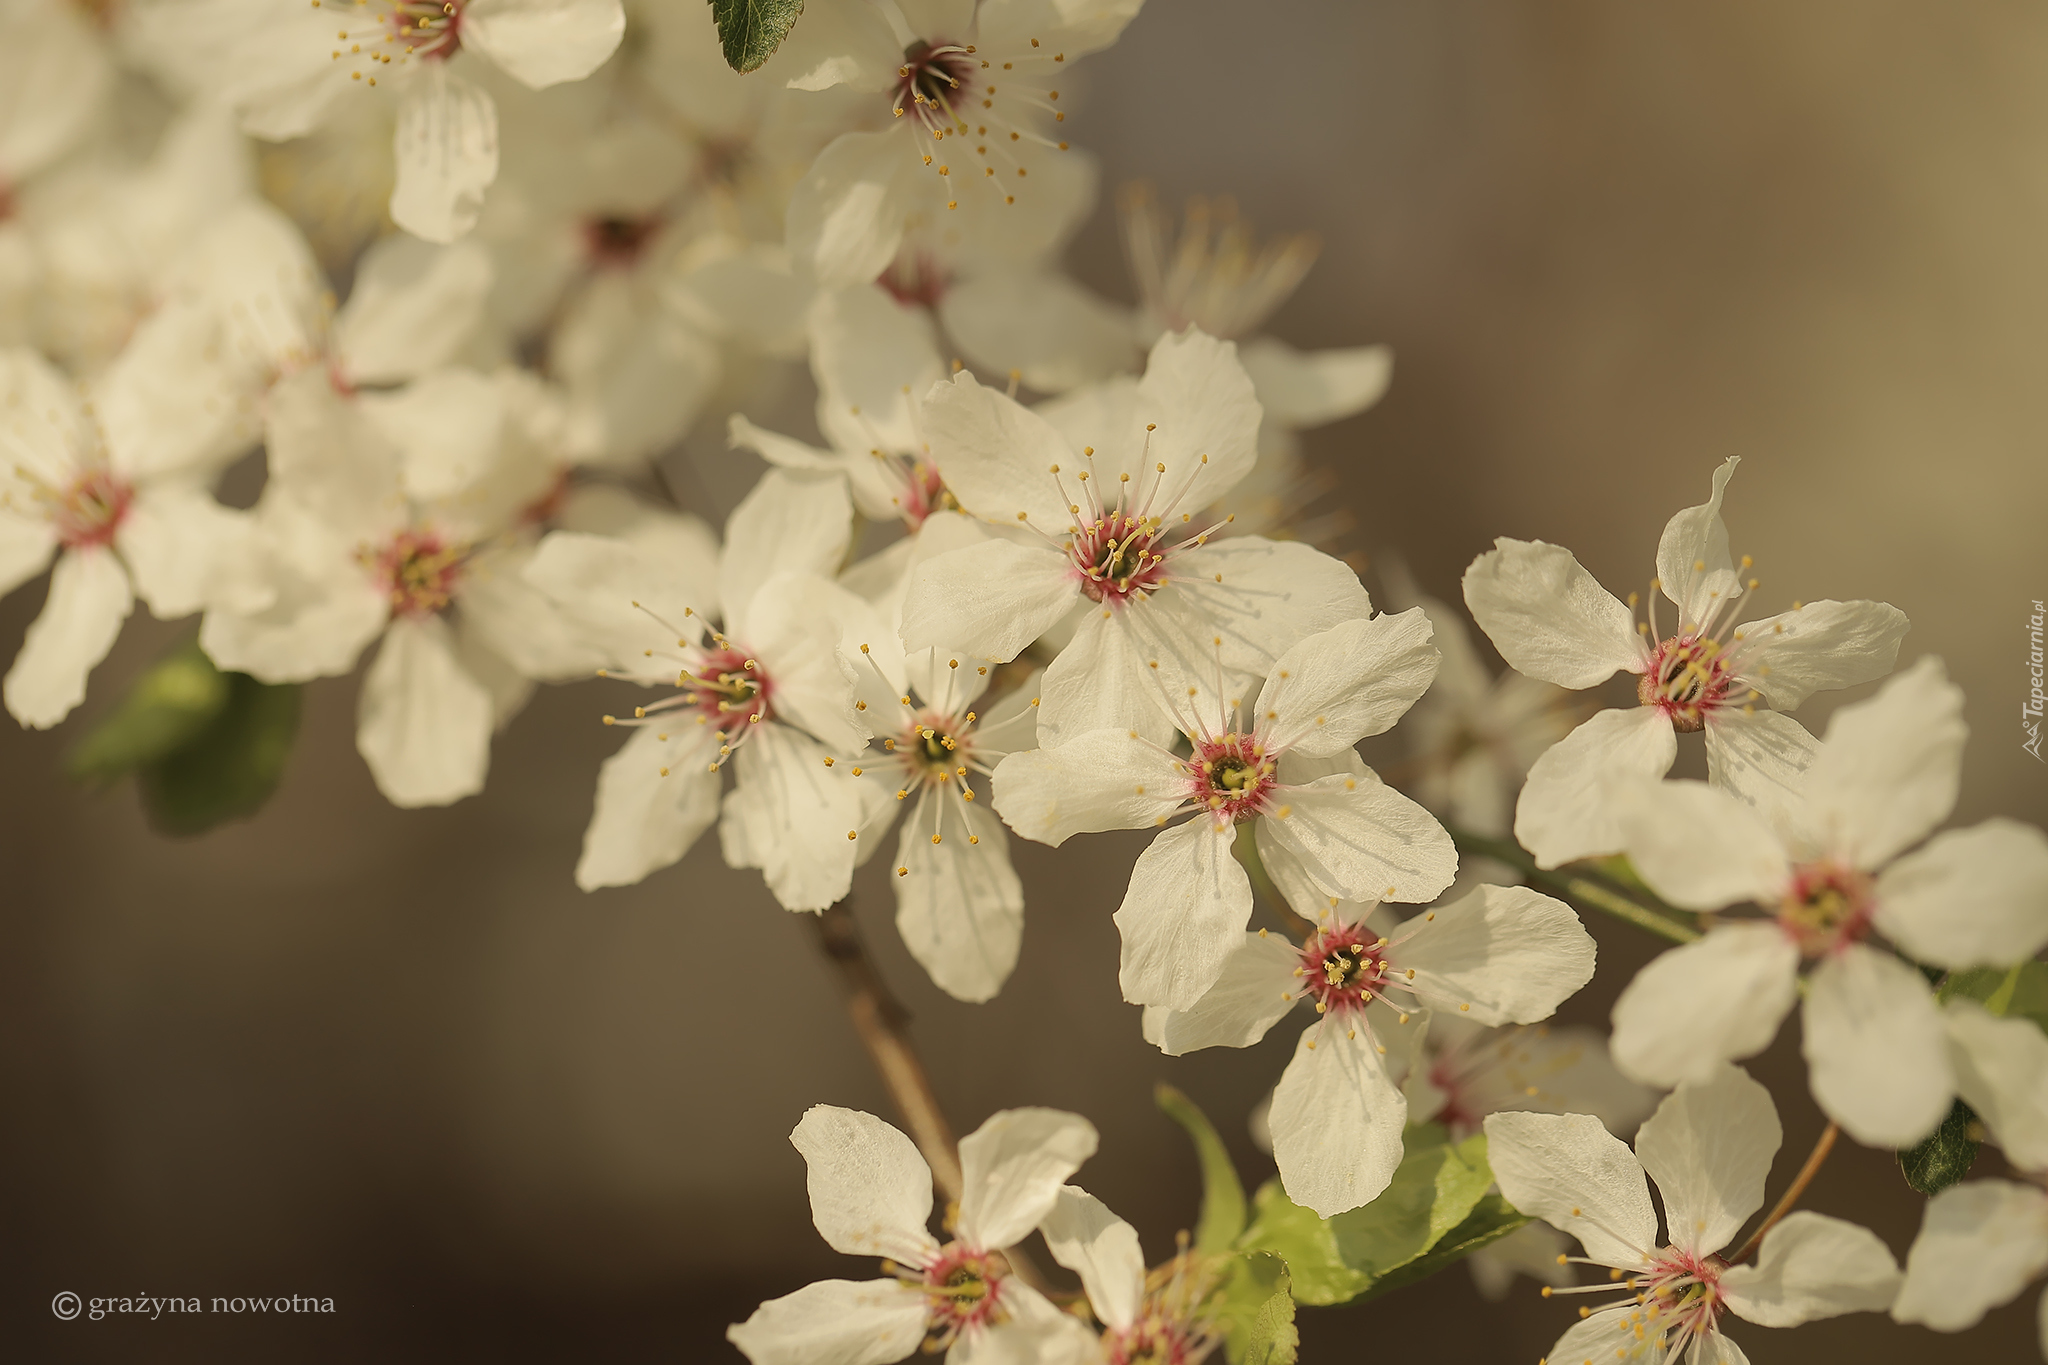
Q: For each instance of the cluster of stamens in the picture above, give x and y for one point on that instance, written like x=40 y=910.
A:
x=1692 y=674
x=428 y=29
x=1231 y=776
x=1339 y=970
x=1119 y=551
x=89 y=510
x=1826 y=906
x=616 y=242
x=1674 y=1301
x=935 y=752
x=417 y=569
x=726 y=688
x=943 y=84
x=963 y=1292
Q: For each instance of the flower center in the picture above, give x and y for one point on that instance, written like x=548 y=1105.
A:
x=393 y=30
x=1688 y=680
x=1149 y=1341
x=935 y=80
x=1119 y=557
x=1230 y=777
x=617 y=243
x=934 y=748
x=924 y=493
x=91 y=510
x=915 y=279
x=417 y=569
x=1826 y=906
x=1681 y=1293
x=963 y=1291
x=1338 y=968
x=727 y=688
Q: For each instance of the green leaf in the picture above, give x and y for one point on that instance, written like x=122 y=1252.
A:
x=1435 y=1187
x=751 y=30
x=1305 y=1242
x=168 y=706
x=1254 y=1306
x=2018 y=992
x=1491 y=1219
x=1946 y=1155
x=229 y=769
x=1223 y=1210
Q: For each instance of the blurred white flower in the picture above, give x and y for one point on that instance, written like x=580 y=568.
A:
x=1980 y=1244
x=1156 y=1317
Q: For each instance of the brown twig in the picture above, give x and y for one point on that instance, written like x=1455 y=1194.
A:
x=1821 y=1148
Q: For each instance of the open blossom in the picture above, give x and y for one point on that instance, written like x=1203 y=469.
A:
x=1835 y=873
x=1552 y=621
x=1105 y=483
x=1320 y=817
x=871 y=1195
x=766 y=687
x=1145 y=1317
x=1980 y=1244
x=1503 y=954
x=1709 y=1148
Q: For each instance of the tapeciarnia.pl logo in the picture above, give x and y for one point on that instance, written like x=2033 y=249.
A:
x=2031 y=708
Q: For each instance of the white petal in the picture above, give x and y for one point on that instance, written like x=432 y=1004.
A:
x=1693 y=563
x=998 y=456
x=839 y=44
x=1104 y=780
x=1889 y=767
x=327 y=458
x=1809 y=1267
x=1011 y=1171
x=618 y=596
x=1579 y=1178
x=1256 y=987
x=89 y=599
x=1340 y=685
x=789 y=523
x=793 y=629
x=518 y=622
x=960 y=907
x=1564 y=813
x=846 y=215
x=1820 y=646
x=1302 y=389
x=1053 y=332
x=834 y=1322
x=1206 y=411
x=545 y=42
x=1261 y=596
x=1505 y=953
x=874 y=360
x=1697 y=847
x=1709 y=1148
x=1182 y=915
x=777 y=449
x=1548 y=617
x=447 y=148
x=1980 y=1244
x=1720 y=999
x=636 y=375
x=174 y=401
x=449 y=425
x=990 y=600
x=184 y=550
x=412 y=307
x=1761 y=758
x=1336 y=1119
x=799 y=814
x=50 y=436
x=1875 y=1048
x=1360 y=840
x=1975 y=897
x=1037 y=1333
x=1086 y=1238
x=25 y=549
x=2001 y=1068
x=1610 y=1330
x=422 y=723
x=871 y=1192
x=644 y=818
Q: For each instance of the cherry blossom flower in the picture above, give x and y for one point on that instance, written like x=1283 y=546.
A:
x=1553 y=622
x=1145 y=1316
x=1833 y=874
x=1980 y=1244
x=1709 y=1148
x=871 y=1195
x=1152 y=589
x=1503 y=954
x=1320 y=818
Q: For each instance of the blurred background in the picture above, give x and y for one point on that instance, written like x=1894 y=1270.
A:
x=397 y=1059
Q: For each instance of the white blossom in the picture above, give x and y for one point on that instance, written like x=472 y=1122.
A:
x=1980 y=1244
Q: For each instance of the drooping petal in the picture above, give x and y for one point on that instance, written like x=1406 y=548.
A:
x=1358 y=839
x=1548 y=617
x=447 y=148
x=1182 y=915
x=790 y=523
x=1889 y=768
x=1103 y=780
x=1876 y=1048
x=2001 y=1068
x=423 y=724
x=1011 y=1171
x=991 y=599
x=1576 y=1176
x=1257 y=986
x=1503 y=954
x=89 y=599
x=1699 y=848
x=1086 y=1238
x=1975 y=897
x=1336 y=1119
x=800 y=818
x=1761 y=758
x=871 y=1192
x=1564 y=812
x=1720 y=999
x=845 y=217
x=655 y=797
x=1809 y=1267
x=413 y=306
x=1302 y=389
x=1340 y=685
x=1709 y=1148
x=1693 y=563
x=540 y=43
x=959 y=905
x=1980 y=1244
x=834 y=1322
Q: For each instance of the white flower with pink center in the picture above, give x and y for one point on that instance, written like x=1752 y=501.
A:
x=1552 y=621
x=1709 y=1148
x=1503 y=954
x=1319 y=816
x=871 y=1195
x=1830 y=877
x=1465 y=1072
x=1147 y=1318
x=1100 y=489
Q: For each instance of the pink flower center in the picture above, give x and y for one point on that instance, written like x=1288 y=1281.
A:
x=91 y=510
x=934 y=748
x=617 y=243
x=1231 y=777
x=1152 y=1341
x=728 y=689
x=1682 y=1294
x=935 y=81
x=417 y=569
x=1826 y=907
x=924 y=493
x=1338 y=969
x=915 y=279
x=425 y=28
x=963 y=1292
x=1688 y=680
x=1119 y=557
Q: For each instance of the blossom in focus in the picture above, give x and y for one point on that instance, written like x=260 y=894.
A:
x=871 y=1195
x=1834 y=873
x=1980 y=1244
x=1553 y=622
x=1709 y=1148
x=1319 y=816
x=1144 y=1317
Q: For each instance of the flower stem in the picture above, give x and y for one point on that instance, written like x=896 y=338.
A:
x=1580 y=890
x=1821 y=1148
